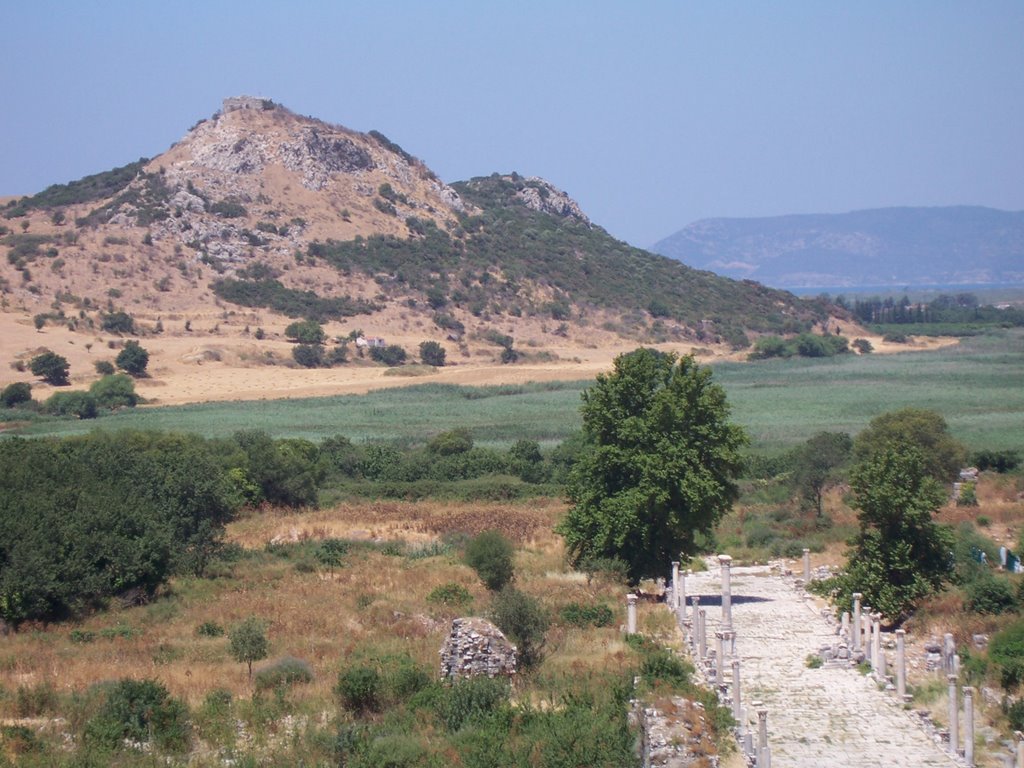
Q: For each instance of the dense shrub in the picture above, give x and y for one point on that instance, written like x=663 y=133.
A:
x=451 y=594
x=133 y=359
x=662 y=666
x=392 y=355
x=432 y=353
x=210 y=629
x=523 y=619
x=115 y=391
x=104 y=367
x=470 y=701
x=117 y=322
x=359 y=688
x=490 y=555
x=306 y=332
x=990 y=595
x=309 y=355
x=283 y=673
x=996 y=461
x=1006 y=651
x=80 y=404
x=579 y=615
x=50 y=367
x=16 y=394
x=451 y=442
x=141 y=711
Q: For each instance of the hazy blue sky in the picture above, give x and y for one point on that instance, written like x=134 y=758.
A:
x=651 y=114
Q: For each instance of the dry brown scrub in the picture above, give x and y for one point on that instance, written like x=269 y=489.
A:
x=374 y=600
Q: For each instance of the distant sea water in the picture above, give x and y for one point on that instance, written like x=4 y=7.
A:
x=979 y=289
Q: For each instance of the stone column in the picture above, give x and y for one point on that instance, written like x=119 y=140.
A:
x=737 y=709
x=879 y=651
x=719 y=656
x=631 y=613
x=901 y=665
x=726 y=562
x=954 y=716
x=762 y=738
x=683 y=592
x=948 y=649
x=675 y=587
x=807 y=566
x=696 y=619
x=875 y=645
x=844 y=630
x=969 y=725
x=702 y=638
x=1020 y=749
x=855 y=627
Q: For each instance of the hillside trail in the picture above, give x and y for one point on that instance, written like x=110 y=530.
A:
x=821 y=717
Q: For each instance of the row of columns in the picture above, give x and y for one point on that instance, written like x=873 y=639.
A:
x=865 y=630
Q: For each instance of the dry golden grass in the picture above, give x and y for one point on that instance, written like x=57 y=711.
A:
x=374 y=601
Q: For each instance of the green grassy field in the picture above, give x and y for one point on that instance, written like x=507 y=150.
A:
x=978 y=386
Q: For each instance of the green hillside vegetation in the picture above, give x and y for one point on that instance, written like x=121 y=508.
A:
x=484 y=266
x=88 y=189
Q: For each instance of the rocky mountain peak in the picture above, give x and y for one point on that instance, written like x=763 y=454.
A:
x=540 y=195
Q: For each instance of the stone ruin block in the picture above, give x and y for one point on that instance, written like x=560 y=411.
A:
x=476 y=647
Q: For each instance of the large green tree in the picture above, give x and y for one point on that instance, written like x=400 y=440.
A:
x=919 y=427
x=659 y=467
x=901 y=555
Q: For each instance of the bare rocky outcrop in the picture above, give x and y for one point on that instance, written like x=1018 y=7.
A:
x=476 y=647
x=675 y=734
x=539 y=195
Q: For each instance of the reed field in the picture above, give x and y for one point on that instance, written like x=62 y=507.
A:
x=977 y=385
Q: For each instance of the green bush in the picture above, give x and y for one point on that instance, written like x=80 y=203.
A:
x=133 y=359
x=306 y=332
x=80 y=404
x=50 y=367
x=490 y=555
x=990 y=595
x=432 y=353
x=114 y=391
x=309 y=355
x=117 y=322
x=662 y=666
x=104 y=367
x=1006 y=651
x=359 y=688
x=523 y=619
x=967 y=497
x=16 y=394
x=210 y=629
x=392 y=355
x=284 y=672
x=451 y=594
x=470 y=701
x=141 y=711
x=579 y=615
x=996 y=461
x=1015 y=714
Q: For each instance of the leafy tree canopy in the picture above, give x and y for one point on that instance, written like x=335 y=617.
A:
x=133 y=359
x=660 y=465
x=51 y=368
x=900 y=554
x=816 y=465
x=432 y=353
x=306 y=332
x=918 y=427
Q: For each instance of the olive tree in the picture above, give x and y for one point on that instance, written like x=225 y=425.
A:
x=659 y=467
x=249 y=642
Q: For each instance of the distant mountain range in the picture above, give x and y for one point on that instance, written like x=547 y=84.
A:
x=878 y=247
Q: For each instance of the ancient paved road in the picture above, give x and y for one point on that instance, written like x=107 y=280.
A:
x=817 y=718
